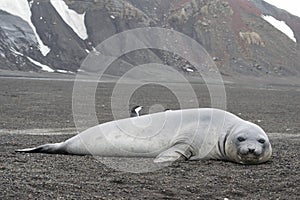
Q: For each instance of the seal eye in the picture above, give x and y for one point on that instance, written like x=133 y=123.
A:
x=262 y=141
x=241 y=139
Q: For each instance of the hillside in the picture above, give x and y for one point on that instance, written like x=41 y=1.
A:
x=57 y=35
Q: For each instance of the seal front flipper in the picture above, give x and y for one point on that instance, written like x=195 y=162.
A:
x=56 y=148
x=175 y=153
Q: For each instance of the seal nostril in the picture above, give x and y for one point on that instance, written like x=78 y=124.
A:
x=251 y=150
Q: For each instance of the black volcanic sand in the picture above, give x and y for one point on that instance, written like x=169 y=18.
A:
x=46 y=104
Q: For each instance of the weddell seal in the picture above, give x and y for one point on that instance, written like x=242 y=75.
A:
x=191 y=134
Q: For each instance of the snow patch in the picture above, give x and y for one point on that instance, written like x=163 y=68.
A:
x=280 y=25
x=64 y=71
x=44 y=67
x=72 y=18
x=189 y=70
x=16 y=52
x=21 y=8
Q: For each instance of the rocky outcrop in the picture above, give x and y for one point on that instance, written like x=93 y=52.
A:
x=252 y=38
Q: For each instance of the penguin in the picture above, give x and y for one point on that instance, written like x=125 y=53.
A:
x=135 y=111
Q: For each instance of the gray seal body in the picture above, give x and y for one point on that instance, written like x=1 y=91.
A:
x=191 y=134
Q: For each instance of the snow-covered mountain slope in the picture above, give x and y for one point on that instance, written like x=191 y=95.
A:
x=71 y=17
x=275 y=10
x=242 y=36
x=21 y=9
x=291 y=6
x=281 y=26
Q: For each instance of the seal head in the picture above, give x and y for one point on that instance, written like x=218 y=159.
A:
x=248 y=144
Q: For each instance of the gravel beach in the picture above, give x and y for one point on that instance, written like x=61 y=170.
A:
x=38 y=111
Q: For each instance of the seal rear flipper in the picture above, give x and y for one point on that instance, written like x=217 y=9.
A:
x=56 y=148
x=175 y=153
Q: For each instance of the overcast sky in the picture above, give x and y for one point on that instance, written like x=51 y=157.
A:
x=292 y=6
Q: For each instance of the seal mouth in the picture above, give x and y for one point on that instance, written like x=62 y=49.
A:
x=249 y=159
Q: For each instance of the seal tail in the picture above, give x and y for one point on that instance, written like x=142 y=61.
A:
x=56 y=148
